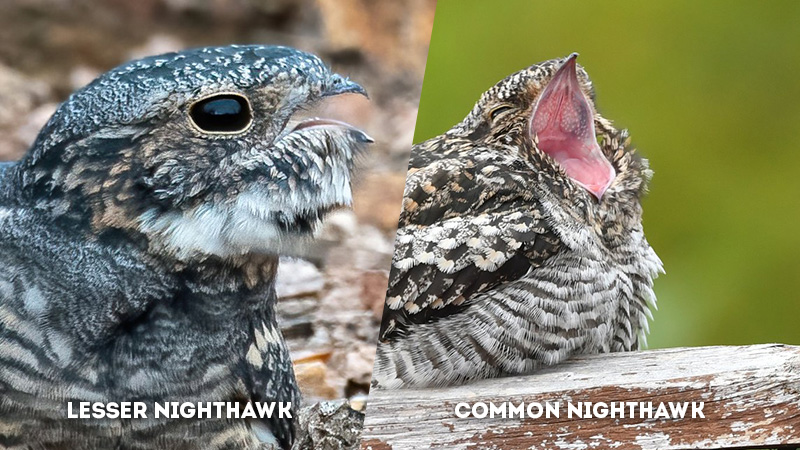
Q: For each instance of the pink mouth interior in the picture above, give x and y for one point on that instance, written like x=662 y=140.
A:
x=564 y=126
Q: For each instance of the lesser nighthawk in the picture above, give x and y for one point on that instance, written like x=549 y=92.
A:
x=139 y=240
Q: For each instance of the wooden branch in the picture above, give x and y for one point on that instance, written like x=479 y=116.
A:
x=751 y=398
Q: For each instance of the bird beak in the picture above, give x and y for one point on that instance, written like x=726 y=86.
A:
x=563 y=122
x=338 y=84
x=321 y=122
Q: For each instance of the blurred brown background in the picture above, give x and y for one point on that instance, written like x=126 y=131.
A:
x=330 y=306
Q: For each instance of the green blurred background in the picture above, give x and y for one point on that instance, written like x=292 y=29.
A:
x=710 y=92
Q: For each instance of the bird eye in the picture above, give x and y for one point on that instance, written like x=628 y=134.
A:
x=226 y=113
x=497 y=110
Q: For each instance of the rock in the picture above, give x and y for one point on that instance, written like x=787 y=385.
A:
x=297 y=277
x=313 y=379
x=297 y=307
x=358 y=363
x=331 y=425
x=339 y=226
x=373 y=291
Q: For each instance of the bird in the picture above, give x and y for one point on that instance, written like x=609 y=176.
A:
x=139 y=241
x=520 y=241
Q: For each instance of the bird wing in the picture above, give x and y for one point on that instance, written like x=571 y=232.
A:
x=469 y=223
x=271 y=378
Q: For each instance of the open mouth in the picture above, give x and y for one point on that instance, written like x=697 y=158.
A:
x=326 y=166
x=564 y=126
x=343 y=101
x=342 y=135
x=319 y=122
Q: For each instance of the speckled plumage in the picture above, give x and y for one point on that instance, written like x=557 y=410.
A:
x=502 y=263
x=138 y=251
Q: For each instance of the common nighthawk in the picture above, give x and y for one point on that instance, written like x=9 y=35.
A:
x=139 y=240
x=520 y=240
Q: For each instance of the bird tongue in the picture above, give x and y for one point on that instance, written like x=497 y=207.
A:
x=564 y=127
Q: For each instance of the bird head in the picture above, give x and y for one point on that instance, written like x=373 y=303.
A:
x=547 y=112
x=200 y=153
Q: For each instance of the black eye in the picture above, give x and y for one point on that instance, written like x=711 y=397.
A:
x=227 y=113
x=494 y=113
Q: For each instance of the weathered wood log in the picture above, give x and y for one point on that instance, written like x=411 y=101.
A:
x=750 y=395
